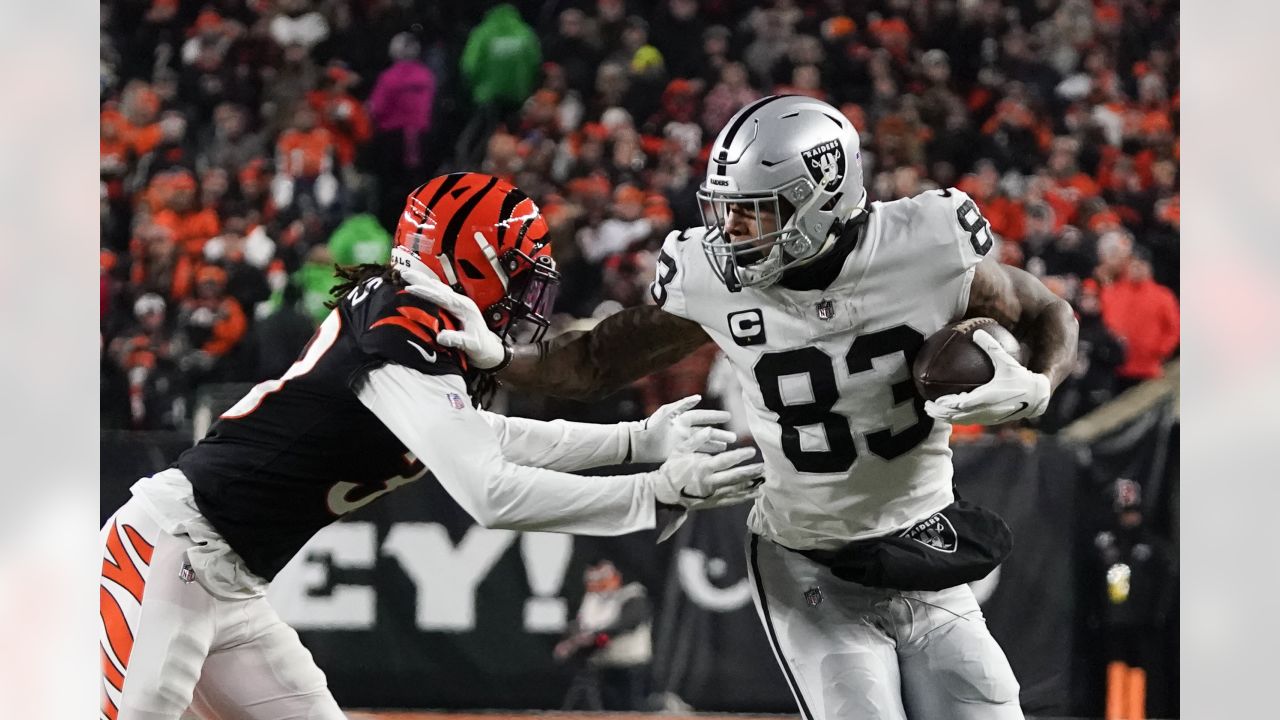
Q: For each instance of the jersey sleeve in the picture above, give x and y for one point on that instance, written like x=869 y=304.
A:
x=667 y=288
x=464 y=453
x=961 y=236
x=401 y=328
x=559 y=444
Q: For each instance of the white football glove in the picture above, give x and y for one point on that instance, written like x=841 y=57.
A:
x=1014 y=393
x=656 y=437
x=481 y=345
x=690 y=480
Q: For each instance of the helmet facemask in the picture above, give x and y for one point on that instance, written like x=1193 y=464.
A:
x=524 y=313
x=761 y=259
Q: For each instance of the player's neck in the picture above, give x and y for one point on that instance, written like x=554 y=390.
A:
x=824 y=269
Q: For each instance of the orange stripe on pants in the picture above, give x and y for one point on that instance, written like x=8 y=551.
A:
x=110 y=671
x=119 y=567
x=140 y=544
x=119 y=636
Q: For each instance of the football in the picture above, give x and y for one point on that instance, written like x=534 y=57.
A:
x=951 y=362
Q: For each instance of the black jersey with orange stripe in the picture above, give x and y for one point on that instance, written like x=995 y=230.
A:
x=297 y=452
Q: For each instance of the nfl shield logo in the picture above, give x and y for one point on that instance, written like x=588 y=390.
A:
x=813 y=596
x=826 y=309
x=186 y=574
x=456 y=401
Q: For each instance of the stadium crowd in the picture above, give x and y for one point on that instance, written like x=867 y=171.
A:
x=248 y=145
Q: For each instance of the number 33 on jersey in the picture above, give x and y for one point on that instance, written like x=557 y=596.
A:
x=826 y=373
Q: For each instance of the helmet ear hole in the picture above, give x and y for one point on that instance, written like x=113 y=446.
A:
x=831 y=204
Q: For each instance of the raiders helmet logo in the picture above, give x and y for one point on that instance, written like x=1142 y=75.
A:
x=935 y=532
x=826 y=164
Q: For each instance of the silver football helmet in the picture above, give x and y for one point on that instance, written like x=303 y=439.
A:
x=789 y=155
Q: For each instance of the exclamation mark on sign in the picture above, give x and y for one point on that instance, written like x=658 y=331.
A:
x=546 y=558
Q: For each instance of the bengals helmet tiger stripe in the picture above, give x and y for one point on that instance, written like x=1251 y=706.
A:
x=487 y=240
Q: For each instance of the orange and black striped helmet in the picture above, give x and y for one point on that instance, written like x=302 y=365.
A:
x=486 y=239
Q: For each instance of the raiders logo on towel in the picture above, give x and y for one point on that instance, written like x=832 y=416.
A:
x=936 y=532
x=826 y=164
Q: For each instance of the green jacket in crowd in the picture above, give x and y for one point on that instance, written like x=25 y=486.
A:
x=360 y=240
x=501 y=59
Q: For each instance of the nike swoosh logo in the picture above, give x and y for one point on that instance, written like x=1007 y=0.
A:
x=688 y=496
x=1015 y=412
x=430 y=355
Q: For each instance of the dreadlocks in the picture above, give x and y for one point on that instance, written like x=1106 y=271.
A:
x=352 y=275
x=481 y=385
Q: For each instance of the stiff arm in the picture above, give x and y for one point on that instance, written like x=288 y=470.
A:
x=621 y=349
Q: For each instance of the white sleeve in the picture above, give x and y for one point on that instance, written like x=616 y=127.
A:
x=464 y=454
x=667 y=288
x=955 y=236
x=560 y=444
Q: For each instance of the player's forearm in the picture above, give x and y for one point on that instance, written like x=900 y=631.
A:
x=1051 y=335
x=620 y=350
x=464 y=455
x=560 y=444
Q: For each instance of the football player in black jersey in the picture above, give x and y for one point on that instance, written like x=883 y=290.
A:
x=374 y=402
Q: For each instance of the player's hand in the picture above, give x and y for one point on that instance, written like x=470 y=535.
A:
x=1014 y=393
x=482 y=346
x=698 y=481
x=656 y=437
x=690 y=480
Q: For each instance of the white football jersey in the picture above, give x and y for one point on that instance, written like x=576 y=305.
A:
x=826 y=374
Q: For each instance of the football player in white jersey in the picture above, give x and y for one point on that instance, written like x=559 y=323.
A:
x=858 y=548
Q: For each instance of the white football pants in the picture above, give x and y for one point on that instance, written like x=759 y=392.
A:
x=864 y=653
x=170 y=649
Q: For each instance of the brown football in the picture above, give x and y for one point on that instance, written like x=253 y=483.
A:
x=951 y=362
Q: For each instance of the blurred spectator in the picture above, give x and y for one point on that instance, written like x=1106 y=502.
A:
x=211 y=325
x=1115 y=250
x=298 y=24
x=1133 y=584
x=244 y=257
x=232 y=145
x=172 y=150
x=190 y=225
x=500 y=66
x=715 y=54
x=304 y=163
x=678 y=35
x=626 y=227
x=1093 y=379
x=139 y=106
x=340 y=113
x=360 y=240
x=1004 y=213
x=316 y=281
x=286 y=84
x=144 y=355
x=573 y=51
x=278 y=338
x=1144 y=315
x=401 y=108
x=1063 y=253
x=611 y=637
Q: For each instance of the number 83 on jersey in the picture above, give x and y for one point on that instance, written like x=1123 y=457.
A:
x=801 y=387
